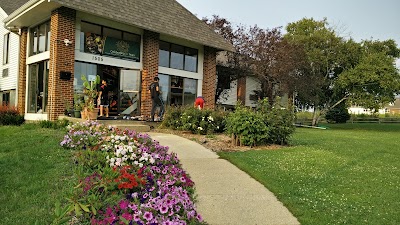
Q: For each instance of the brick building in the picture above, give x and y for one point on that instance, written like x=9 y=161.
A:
x=127 y=43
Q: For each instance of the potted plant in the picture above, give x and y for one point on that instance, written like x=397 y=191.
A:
x=90 y=94
x=78 y=104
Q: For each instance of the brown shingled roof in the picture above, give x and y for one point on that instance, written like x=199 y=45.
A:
x=10 y=6
x=162 y=16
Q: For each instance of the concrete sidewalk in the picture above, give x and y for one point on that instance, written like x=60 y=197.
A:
x=225 y=194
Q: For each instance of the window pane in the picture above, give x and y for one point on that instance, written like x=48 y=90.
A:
x=34 y=40
x=6 y=45
x=48 y=36
x=32 y=89
x=189 y=91
x=90 y=28
x=46 y=85
x=108 y=32
x=164 y=54
x=164 y=87
x=191 y=59
x=42 y=38
x=131 y=37
x=176 y=90
x=80 y=69
x=177 y=56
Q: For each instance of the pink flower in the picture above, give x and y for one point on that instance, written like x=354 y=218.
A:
x=123 y=204
x=148 y=216
x=127 y=216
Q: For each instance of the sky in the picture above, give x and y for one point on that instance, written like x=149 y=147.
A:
x=359 y=19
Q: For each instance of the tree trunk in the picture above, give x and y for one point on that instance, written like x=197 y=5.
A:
x=315 y=117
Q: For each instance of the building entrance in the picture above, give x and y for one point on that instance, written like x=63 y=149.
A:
x=124 y=86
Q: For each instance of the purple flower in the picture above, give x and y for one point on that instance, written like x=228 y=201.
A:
x=148 y=216
x=163 y=209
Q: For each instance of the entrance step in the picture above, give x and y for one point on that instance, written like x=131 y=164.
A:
x=139 y=126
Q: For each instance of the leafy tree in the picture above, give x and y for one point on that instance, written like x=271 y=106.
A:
x=262 y=53
x=342 y=70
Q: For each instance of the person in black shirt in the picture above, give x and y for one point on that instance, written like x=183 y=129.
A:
x=103 y=97
x=156 y=99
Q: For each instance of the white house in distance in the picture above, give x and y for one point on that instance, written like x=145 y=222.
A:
x=9 y=46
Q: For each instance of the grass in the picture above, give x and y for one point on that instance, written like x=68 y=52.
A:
x=35 y=172
x=347 y=174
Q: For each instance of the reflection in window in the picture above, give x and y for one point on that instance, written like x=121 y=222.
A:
x=191 y=59
x=80 y=69
x=39 y=39
x=42 y=38
x=108 y=32
x=189 y=91
x=38 y=87
x=178 y=57
x=164 y=54
x=164 y=87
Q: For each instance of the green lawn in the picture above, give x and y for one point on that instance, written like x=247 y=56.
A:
x=347 y=174
x=34 y=174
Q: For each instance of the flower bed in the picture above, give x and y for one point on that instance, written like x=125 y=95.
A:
x=126 y=178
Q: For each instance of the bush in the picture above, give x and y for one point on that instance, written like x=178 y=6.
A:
x=337 y=115
x=194 y=120
x=266 y=125
x=10 y=116
x=59 y=124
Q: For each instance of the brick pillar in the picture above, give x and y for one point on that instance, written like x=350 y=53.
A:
x=23 y=41
x=209 y=77
x=241 y=90
x=151 y=45
x=62 y=58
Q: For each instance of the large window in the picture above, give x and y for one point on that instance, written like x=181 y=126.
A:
x=6 y=48
x=40 y=39
x=178 y=57
x=177 y=90
x=97 y=39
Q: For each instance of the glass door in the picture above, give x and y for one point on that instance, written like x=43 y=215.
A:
x=129 y=94
x=38 y=87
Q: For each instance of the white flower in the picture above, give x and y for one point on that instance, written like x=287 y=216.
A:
x=152 y=161
x=140 y=165
x=200 y=128
x=210 y=118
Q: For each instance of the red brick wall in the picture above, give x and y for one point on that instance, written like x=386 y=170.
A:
x=209 y=77
x=22 y=70
x=241 y=90
x=150 y=68
x=62 y=58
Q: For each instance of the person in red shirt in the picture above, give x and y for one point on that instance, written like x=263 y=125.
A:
x=199 y=102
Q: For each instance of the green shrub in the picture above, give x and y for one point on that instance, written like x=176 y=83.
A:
x=265 y=125
x=59 y=124
x=10 y=116
x=194 y=120
x=337 y=115
x=248 y=125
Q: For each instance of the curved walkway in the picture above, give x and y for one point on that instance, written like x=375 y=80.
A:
x=226 y=195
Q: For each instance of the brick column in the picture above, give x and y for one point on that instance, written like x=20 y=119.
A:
x=241 y=90
x=151 y=45
x=62 y=58
x=209 y=77
x=23 y=41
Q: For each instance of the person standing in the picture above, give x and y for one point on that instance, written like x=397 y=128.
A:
x=156 y=99
x=103 y=97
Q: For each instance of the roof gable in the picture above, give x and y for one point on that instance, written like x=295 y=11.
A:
x=161 y=16
x=10 y=6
